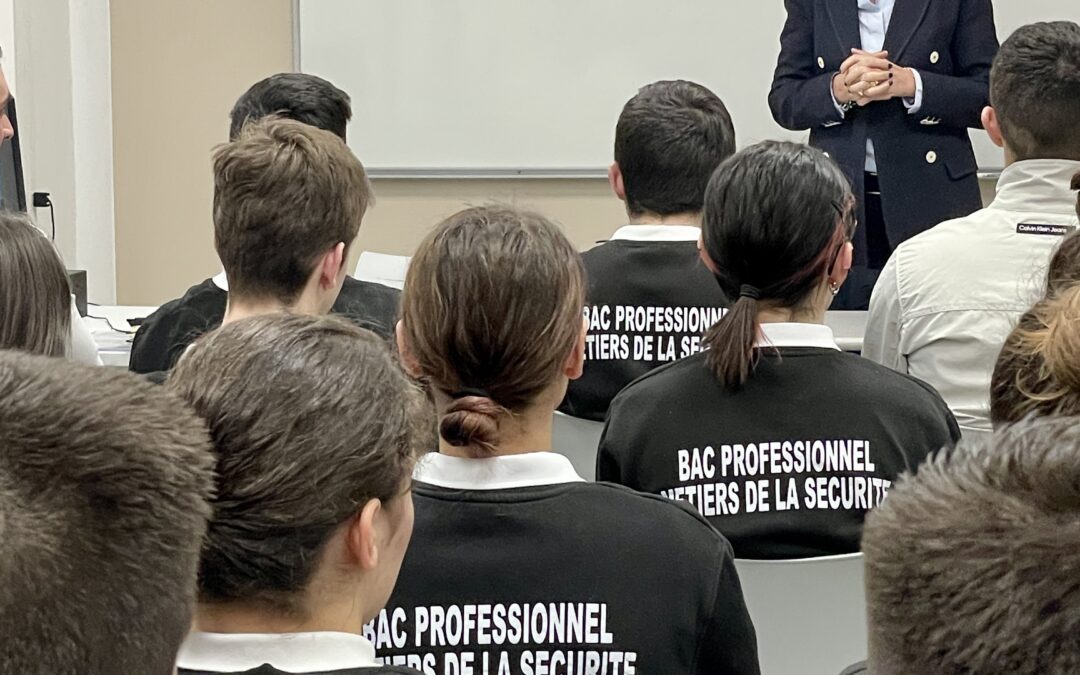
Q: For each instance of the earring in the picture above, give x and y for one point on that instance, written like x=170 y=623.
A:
x=834 y=287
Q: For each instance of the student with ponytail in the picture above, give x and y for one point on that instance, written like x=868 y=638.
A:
x=516 y=563
x=776 y=436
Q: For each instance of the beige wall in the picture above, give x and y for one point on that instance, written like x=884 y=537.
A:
x=178 y=66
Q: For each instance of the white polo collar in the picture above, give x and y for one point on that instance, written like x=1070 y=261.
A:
x=291 y=652
x=221 y=281
x=657 y=233
x=495 y=473
x=796 y=335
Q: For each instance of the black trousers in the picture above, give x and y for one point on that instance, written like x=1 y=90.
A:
x=855 y=293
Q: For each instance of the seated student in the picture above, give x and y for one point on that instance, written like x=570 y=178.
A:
x=314 y=428
x=166 y=333
x=971 y=565
x=517 y=564
x=776 y=436
x=947 y=298
x=37 y=310
x=104 y=481
x=1038 y=371
x=650 y=299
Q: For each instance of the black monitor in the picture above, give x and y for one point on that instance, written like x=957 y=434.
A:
x=12 y=188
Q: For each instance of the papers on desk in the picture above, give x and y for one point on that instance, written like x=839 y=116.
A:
x=112 y=332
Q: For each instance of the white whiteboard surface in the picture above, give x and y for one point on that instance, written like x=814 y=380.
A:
x=500 y=86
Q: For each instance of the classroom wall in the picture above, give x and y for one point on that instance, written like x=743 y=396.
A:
x=57 y=61
x=177 y=68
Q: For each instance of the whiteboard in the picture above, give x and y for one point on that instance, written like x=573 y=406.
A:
x=462 y=86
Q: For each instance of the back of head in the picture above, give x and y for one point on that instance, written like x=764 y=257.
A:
x=35 y=297
x=296 y=96
x=1035 y=89
x=777 y=216
x=972 y=565
x=491 y=311
x=310 y=418
x=285 y=193
x=1038 y=370
x=669 y=139
x=104 y=481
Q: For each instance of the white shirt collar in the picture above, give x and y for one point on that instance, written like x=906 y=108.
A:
x=657 y=233
x=221 y=281
x=1037 y=186
x=796 y=335
x=291 y=652
x=495 y=473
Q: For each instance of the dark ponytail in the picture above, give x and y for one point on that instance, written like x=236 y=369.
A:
x=776 y=217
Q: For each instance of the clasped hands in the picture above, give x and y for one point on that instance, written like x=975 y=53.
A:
x=866 y=77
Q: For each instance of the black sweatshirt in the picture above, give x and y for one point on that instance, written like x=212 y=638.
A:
x=544 y=573
x=649 y=302
x=165 y=334
x=787 y=466
x=270 y=670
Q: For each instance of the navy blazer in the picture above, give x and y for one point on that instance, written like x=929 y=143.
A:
x=926 y=165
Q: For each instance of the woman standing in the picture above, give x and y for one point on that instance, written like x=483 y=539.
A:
x=888 y=88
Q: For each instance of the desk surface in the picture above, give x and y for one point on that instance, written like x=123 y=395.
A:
x=112 y=332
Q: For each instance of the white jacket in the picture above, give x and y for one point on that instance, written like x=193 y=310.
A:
x=949 y=297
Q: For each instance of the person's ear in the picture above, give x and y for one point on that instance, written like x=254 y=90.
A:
x=331 y=271
x=361 y=538
x=405 y=352
x=992 y=125
x=575 y=362
x=704 y=255
x=615 y=178
x=840 y=269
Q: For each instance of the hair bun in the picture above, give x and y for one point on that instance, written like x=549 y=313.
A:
x=472 y=422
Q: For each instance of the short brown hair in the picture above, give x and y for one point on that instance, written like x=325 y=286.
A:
x=104 y=481
x=670 y=138
x=310 y=417
x=1035 y=89
x=971 y=565
x=491 y=308
x=285 y=193
x=35 y=295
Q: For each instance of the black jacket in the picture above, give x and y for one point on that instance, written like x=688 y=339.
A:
x=165 y=334
x=787 y=466
x=567 y=574
x=626 y=279
x=925 y=161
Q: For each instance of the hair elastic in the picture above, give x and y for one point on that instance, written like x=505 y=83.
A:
x=466 y=392
x=748 y=291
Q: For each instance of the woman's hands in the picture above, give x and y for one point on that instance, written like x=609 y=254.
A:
x=866 y=77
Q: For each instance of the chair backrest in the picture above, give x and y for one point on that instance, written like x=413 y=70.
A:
x=380 y=268
x=579 y=440
x=810 y=614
